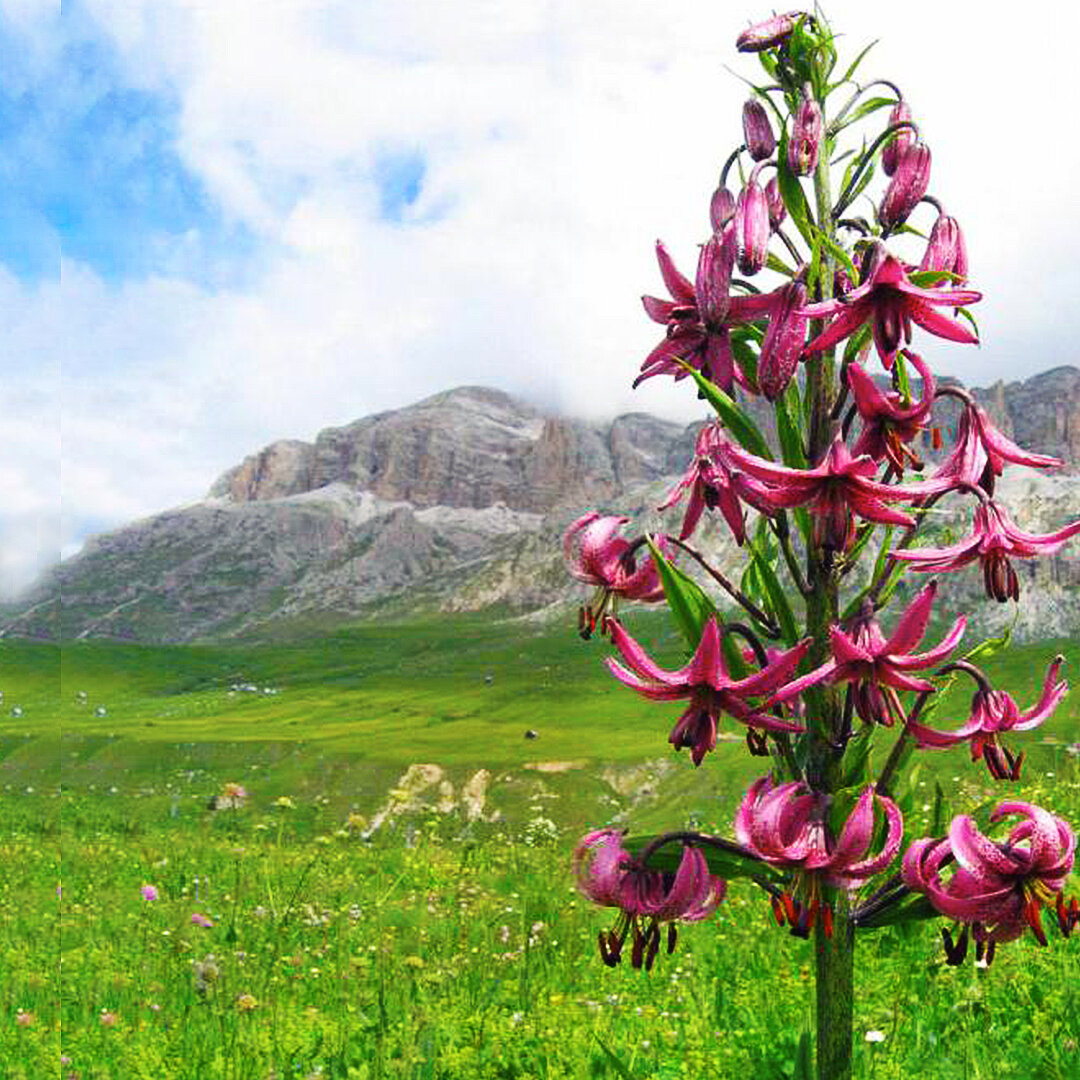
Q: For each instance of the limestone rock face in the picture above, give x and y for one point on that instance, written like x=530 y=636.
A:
x=459 y=502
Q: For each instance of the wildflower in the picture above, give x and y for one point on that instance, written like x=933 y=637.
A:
x=705 y=681
x=806 y=133
x=768 y=33
x=893 y=150
x=788 y=826
x=783 y=342
x=875 y=1036
x=777 y=209
x=981 y=452
x=284 y=802
x=751 y=227
x=107 y=1019
x=698 y=318
x=149 y=892
x=993 y=712
x=757 y=131
x=835 y=490
x=607 y=875
x=888 y=423
x=891 y=303
x=945 y=249
x=232 y=797
x=201 y=920
x=24 y=1018
x=878 y=666
x=710 y=485
x=994 y=538
x=997 y=888
x=595 y=555
x=907 y=186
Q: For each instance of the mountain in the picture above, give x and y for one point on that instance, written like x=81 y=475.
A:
x=459 y=503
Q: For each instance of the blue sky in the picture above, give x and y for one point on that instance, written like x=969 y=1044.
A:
x=223 y=224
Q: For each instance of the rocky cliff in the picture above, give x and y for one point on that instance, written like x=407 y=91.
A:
x=458 y=503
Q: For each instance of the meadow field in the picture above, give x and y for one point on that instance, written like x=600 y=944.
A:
x=394 y=897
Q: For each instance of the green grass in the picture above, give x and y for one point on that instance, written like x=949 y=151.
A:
x=386 y=958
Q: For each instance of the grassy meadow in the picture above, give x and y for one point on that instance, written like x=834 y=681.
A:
x=368 y=919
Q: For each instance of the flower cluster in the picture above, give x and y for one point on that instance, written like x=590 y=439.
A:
x=827 y=344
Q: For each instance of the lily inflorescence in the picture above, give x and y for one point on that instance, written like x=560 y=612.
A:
x=853 y=279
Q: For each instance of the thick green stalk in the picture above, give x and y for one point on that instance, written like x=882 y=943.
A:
x=834 y=955
x=835 y=983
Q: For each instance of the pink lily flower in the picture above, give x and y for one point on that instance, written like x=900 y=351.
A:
x=999 y=888
x=768 y=33
x=710 y=485
x=981 y=452
x=705 y=681
x=595 y=555
x=783 y=342
x=698 y=317
x=840 y=486
x=946 y=249
x=993 y=712
x=907 y=186
x=893 y=150
x=880 y=666
x=607 y=875
x=889 y=425
x=889 y=301
x=787 y=826
x=752 y=226
x=993 y=539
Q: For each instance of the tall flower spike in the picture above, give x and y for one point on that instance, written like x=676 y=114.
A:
x=881 y=666
x=994 y=712
x=891 y=303
x=705 y=681
x=607 y=875
x=596 y=555
x=994 y=538
x=787 y=826
x=1000 y=888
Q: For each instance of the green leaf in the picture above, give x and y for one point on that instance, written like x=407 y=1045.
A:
x=857 y=758
x=856 y=343
x=734 y=419
x=964 y=313
x=992 y=646
x=616 y=1064
x=837 y=251
x=722 y=863
x=792 y=193
x=904 y=383
x=774 y=262
x=865 y=109
x=916 y=909
x=745 y=356
x=927 y=279
x=804 y=1058
x=857 y=61
x=941 y=811
x=789 y=427
x=690 y=606
x=778 y=600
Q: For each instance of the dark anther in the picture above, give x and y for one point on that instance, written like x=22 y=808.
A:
x=653 y=939
x=672 y=937
x=757 y=743
x=778 y=911
x=955 y=953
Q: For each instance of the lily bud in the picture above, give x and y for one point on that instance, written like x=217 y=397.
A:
x=894 y=149
x=711 y=288
x=757 y=131
x=907 y=186
x=777 y=210
x=752 y=227
x=721 y=209
x=806 y=132
x=767 y=34
x=946 y=250
x=782 y=346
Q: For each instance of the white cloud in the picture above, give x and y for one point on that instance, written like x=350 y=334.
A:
x=560 y=139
